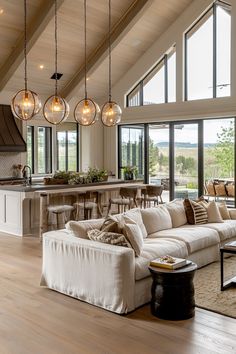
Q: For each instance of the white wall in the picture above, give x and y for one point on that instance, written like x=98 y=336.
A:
x=179 y=110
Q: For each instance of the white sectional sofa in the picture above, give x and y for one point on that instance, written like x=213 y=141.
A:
x=111 y=276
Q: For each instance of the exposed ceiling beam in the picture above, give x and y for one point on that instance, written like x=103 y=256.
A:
x=34 y=30
x=125 y=23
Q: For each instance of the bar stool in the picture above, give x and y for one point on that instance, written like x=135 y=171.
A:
x=88 y=202
x=57 y=205
x=151 y=194
x=127 y=198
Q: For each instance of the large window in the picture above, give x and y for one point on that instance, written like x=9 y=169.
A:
x=185 y=156
x=208 y=52
x=39 y=149
x=158 y=86
x=131 y=148
x=219 y=150
x=159 y=152
x=186 y=160
x=67 y=147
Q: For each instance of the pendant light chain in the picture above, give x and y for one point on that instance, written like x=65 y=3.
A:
x=56 y=46
x=85 y=49
x=25 y=44
x=109 y=45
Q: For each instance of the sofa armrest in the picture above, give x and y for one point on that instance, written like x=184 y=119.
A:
x=232 y=213
x=101 y=274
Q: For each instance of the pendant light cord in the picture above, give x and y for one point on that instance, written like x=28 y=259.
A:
x=85 y=50
x=25 y=44
x=109 y=50
x=56 y=47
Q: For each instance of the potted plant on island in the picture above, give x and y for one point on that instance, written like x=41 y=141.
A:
x=130 y=172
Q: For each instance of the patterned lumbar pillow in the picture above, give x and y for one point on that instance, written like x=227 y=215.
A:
x=111 y=238
x=195 y=212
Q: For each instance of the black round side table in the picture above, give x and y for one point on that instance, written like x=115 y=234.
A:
x=173 y=292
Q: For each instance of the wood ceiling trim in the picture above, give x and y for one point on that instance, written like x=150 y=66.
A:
x=34 y=30
x=130 y=17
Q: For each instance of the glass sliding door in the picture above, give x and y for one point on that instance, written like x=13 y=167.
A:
x=158 y=152
x=219 y=147
x=132 y=149
x=186 y=160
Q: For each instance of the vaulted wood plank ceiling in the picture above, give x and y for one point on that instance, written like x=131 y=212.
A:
x=146 y=22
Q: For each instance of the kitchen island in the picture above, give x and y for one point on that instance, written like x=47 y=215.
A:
x=20 y=205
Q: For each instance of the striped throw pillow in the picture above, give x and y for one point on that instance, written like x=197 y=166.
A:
x=195 y=212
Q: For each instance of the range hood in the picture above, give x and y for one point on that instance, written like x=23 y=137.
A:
x=10 y=136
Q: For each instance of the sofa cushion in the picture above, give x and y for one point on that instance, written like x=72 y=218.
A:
x=196 y=238
x=226 y=230
x=156 y=219
x=154 y=248
x=195 y=212
x=177 y=213
x=80 y=228
x=134 y=235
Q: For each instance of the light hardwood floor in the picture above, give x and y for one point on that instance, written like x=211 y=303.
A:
x=36 y=320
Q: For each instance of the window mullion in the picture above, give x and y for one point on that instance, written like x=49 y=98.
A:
x=66 y=152
x=166 y=78
x=214 y=51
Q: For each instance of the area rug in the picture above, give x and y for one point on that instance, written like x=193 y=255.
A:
x=207 y=288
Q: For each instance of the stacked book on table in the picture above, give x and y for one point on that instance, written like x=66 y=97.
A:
x=169 y=262
x=231 y=245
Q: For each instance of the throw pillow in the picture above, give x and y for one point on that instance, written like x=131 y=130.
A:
x=213 y=213
x=134 y=235
x=135 y=215
x=224 y=212
x=195 y=212
x=112 y=224
x=230 y=190
x=80 y=228
x=111 y=238
x=177 y=213
x=220 y=189
x=156 y=219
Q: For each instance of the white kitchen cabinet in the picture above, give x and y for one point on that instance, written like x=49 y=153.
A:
x=11 y=212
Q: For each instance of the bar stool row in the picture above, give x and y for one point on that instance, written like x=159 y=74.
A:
x=88 y=205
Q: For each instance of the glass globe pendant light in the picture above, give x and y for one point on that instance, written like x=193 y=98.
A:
x=86 y=111
x=111 y=111
x=56 y=109
x=25 y=104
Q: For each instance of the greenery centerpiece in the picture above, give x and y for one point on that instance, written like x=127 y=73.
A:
x=94 y=175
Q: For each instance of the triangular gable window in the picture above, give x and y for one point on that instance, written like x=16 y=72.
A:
x=159 y=85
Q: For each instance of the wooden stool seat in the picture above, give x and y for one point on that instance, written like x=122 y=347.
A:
x=60 y=210
x=128 y=197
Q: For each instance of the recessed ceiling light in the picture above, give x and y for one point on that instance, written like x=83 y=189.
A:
x=87 y=78
x=1 y=11
x=41 y=66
